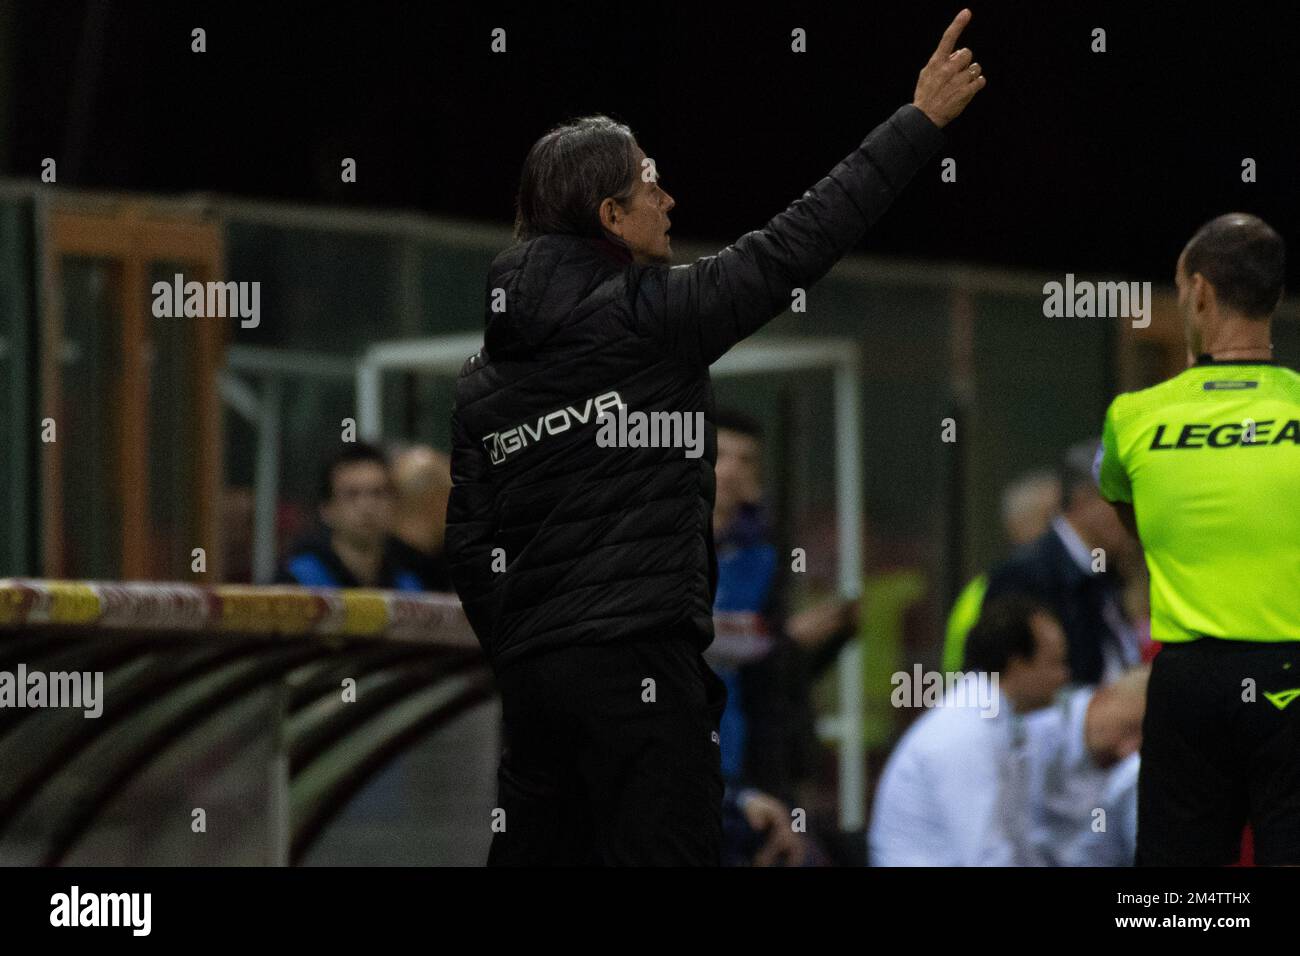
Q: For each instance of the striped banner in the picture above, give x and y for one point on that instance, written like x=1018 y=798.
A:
x=244 y=609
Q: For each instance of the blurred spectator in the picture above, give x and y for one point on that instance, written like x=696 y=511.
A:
x=1083 y=756
x=758 y=830
x=356 y=510
x=767 y=660
x=422 y=477
x=940 y=798
x=1080 y=584
x=1028 y=506
x=767 y=727
x=767 y=733
x=821 y=632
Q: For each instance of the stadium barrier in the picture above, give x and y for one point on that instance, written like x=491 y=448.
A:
x=175 y=724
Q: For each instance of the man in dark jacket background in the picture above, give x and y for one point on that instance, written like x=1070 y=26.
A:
x=588 y=572
x=1074 y=569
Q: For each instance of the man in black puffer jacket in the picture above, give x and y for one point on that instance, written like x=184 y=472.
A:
x=587 y=571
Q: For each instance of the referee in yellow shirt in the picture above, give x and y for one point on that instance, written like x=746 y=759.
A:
x=1205 y=468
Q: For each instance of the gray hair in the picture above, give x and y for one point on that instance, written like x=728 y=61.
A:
x=569 y=172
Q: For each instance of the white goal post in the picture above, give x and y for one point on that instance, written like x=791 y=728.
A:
x=444 y=355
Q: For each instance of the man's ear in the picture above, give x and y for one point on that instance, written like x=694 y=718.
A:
x=611 y=215
x=1202 y=293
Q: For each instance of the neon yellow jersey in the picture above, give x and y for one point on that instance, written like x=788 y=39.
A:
x=1210 y=461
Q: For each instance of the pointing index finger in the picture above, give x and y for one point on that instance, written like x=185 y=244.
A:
x=949 y=39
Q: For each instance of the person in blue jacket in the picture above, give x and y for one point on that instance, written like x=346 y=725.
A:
x=357 y=502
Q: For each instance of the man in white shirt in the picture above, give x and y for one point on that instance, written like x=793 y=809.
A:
x=939 y=799
x=1080 y=808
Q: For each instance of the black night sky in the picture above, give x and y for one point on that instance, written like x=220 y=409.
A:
x=1068 y=160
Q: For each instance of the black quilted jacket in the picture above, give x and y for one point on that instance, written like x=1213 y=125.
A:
x=616 y=543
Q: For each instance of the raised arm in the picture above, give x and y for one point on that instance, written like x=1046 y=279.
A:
x=699 y=311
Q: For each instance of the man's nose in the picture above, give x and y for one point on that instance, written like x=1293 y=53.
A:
x=671 y=202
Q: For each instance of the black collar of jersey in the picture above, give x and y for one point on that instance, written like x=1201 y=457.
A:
x=1205 y=358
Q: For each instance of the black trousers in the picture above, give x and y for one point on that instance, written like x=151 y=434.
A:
x=611 y=757
x=1211 y=761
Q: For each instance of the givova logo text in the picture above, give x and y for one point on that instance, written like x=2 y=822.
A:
x=501 y=445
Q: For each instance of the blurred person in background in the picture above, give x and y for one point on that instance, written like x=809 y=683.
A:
x=355 y=550
x=1078 y=802
x=940 y=798
x=758 y=830
x=1029 y=504
x=356 y=510
x=1064 y=569
x=767 y=726
x=422 y=478
x=767 y=731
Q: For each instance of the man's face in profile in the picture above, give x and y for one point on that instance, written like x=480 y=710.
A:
x=644 y=222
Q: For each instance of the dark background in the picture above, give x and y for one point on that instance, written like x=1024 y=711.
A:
x=1067 y=161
